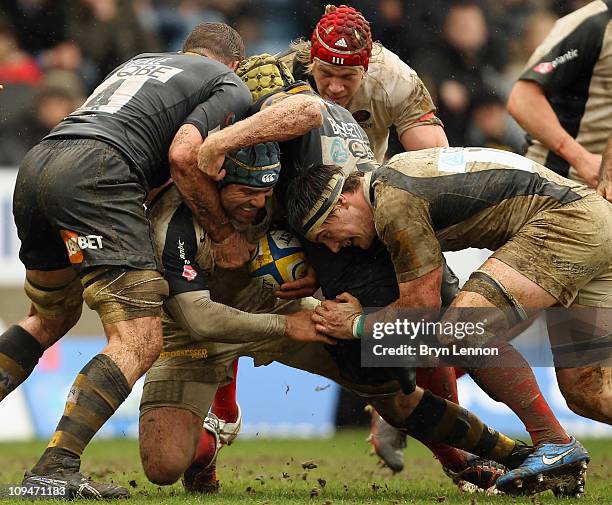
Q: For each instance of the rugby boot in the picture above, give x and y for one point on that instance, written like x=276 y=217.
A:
x=559 y=467
x=388 y=442
x=66 y=482
x=479 y=475
x=229 y=431
x=201 y=476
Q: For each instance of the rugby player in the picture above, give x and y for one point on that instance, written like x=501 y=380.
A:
x=552 y=240
x=78 y=207
x=379 y=90
x=286 y=112
x=214 y=315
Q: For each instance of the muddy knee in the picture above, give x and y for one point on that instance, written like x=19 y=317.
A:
x=168 y=438
x=587 y=391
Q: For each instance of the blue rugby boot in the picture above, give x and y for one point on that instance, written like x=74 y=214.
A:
x=559 y=467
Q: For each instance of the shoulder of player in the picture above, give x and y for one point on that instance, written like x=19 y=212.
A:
x=385 y=71
x=385 y=65
x=171 y=218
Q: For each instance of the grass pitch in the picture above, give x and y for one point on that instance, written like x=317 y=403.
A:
x=269 y=472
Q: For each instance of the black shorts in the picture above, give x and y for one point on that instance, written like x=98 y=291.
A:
x=77 y=203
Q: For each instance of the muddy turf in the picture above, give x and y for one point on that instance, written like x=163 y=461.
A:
x=331 y=471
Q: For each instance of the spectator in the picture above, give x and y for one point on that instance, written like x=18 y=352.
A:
x=108 y=32
x=51 y=105
x=491 y=126
x=19 y=74
x=406 y=27
x=535 y=29
x=16 y=66
x=457 y=69
x=39 y=24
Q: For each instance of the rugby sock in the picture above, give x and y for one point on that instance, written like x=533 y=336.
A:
x=509 y=379
x=19 y=353
x=449 y=457
x=435 y=420
x=95 y=395
x=224 y=405
x=206 y=449
x=442 y=382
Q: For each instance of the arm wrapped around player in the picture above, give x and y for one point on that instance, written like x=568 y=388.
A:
x=216 y=322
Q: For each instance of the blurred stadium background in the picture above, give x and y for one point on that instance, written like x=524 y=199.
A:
x=52 y=54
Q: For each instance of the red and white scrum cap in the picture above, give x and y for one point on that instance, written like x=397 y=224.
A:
x=342 y=37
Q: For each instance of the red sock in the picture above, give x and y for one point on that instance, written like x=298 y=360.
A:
x=205 y=452
x=441 y=381
x=224 y=405
x=449 y=457
x=512 y=382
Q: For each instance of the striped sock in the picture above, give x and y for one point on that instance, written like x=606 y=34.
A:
x=19 y=354
x=440 y=421
x=99 y=389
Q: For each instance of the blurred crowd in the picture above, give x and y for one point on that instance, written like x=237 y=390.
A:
x=468 y=52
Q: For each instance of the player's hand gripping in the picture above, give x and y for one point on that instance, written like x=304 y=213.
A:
x=335 y=318
x=587 y=167
x=604 y=188
x=301 y=328
x=211 y=158
x=232 y=252
x=300 y=288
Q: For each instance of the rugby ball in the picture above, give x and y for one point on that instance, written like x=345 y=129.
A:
x=278 y=258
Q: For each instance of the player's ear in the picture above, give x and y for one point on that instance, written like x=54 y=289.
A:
x=234 y=65
x=343 y=202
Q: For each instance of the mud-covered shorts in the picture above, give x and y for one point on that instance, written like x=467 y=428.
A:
x=567 y=251
x=77 y=202
x=187 y=373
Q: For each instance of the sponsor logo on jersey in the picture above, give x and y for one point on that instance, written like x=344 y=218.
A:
x=75 y=244
x=546 y=67
x=341 y=43
x=361 y=149
x=361 y=116
x=338 y=152
x=346 y=130
x=189 y=273
x=149 y=68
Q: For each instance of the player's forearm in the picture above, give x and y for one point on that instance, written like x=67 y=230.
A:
x=198 y=191
x=200 y=195
x=291 y=118
x=421 y=297
x=529 y=107
x=214 y=322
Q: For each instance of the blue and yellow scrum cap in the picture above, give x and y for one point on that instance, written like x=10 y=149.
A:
x=323 y=208
x=257 y=166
